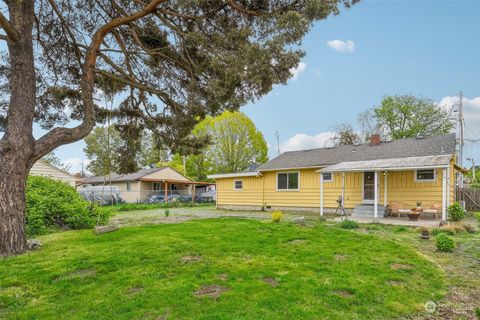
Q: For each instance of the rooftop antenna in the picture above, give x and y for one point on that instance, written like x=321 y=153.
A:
x=277 y=135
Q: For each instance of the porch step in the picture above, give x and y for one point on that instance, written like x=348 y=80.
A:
x=368 y=211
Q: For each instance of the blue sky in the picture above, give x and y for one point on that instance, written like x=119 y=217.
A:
x=427 y=48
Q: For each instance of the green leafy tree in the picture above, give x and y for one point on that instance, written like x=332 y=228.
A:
x=102 y=147
x=171 y=62
x=235 y=144
x=407 y=116
x=106 y=151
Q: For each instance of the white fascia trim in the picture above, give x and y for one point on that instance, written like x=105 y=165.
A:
x=233 y=175
x=384 y=169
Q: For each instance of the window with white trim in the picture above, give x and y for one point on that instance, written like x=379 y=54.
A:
x=327 y=177
x=157 y=186
x=238 y=184
x=288 y=181
x=129 y=186
x=425 y=175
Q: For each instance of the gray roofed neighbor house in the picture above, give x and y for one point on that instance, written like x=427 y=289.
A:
x=411 y=147
x=115 y=177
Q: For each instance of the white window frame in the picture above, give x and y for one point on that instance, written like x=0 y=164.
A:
x=426 y=180
x=287 y=172
x=159 y=186
x=235 y=184
x=128 y=186
x=331 y=177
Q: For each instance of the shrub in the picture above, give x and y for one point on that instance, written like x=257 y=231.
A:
x=55 y=204
x=277 y=216
x=349 y=224
x=167 y=212
x=455 y=212
x=477 y=312
x=477 y=215
x=445 y=243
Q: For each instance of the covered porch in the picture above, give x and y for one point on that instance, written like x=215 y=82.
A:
x=404 y=186
x=168 y=190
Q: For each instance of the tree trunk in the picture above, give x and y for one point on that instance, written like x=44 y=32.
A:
x=12 y=207
x=17 y=144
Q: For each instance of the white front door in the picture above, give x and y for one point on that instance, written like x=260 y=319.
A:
x=368 y=187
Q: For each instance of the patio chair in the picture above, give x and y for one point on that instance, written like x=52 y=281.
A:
x=435 y=208
x=398 y=208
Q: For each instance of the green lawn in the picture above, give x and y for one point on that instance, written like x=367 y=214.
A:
x=258 y=270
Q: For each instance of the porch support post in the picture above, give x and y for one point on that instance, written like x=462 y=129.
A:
x=321 y=193
x=375 y=204
x=193 y=193
x=343 y=190
x=448 y=186
x=165 y=187
x=444 y=194
x=385 y=188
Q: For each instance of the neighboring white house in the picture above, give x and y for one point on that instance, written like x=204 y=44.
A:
x=42 y=168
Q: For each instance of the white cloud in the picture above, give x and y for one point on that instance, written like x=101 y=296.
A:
x=302 y=141
x=296 y=71
x=75 y=164
x=347 y=46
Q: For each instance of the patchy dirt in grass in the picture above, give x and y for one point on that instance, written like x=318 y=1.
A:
x=78 y=274
x=395 y=283
x=297 y=241
x=191 y=259
x=400 y=266
x=134 y=290
x=344 y=293
x=179 y=215
x=340 y=257
x=223 y=276
x=211 y=290
x=271 y=281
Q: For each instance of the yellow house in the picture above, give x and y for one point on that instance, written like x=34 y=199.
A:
x=365 y=179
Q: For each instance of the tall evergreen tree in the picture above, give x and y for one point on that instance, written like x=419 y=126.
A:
x=172 y=62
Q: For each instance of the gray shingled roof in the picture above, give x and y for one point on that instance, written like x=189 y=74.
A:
x=122 y=177
x=412 y=147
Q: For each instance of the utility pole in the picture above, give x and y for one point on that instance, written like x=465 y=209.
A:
x=461 y=137
x=277 y=135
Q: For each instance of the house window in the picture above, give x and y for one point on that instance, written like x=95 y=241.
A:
x=157 y=186
x=238 y=184
x=425 y=175
x=287 y=181
x=327 y=177
x=129 y=186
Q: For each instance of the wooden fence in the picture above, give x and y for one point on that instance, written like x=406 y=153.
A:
x=471 y=196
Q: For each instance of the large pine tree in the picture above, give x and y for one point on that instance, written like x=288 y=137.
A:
x=171 y=62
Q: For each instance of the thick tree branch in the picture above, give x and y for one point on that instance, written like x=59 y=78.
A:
x=12 y=34
x=59 y=136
